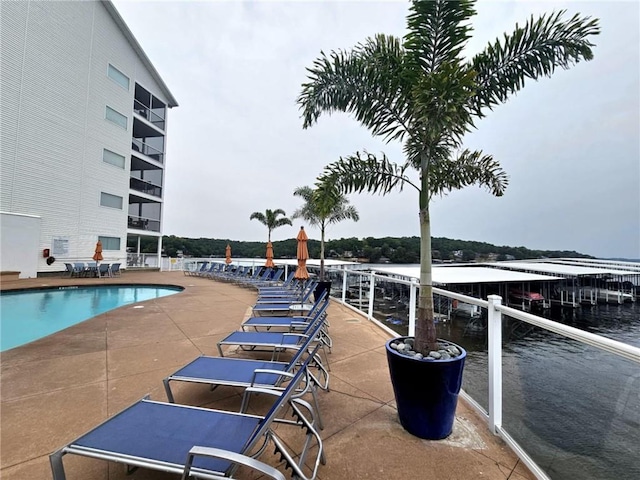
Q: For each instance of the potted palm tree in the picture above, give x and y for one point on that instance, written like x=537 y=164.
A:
x=423 y=91
x=322 y=208
x=270 y=219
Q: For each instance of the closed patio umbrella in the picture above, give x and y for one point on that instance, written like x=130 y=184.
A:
x=302 y=254
x=97 y=256
x=269 y=262
x=227 y=254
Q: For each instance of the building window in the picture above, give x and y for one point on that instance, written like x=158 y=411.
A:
x=113 y=158
x=112 y=201
x=116 y=117
x=119 y=77
x=110 y=243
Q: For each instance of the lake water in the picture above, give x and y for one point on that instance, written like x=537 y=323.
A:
x=574 y=408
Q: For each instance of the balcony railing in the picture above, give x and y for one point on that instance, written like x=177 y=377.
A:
x=149 y=114
x=145 y=187
x=141 y=223
x=142 y=260
x=148 y=150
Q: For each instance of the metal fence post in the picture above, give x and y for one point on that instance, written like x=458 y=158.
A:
x=344 y=285
x=372 y=282
x=412 y=309
x=495 y=363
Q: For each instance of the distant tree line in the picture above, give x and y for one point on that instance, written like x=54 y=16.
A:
x=375 y=250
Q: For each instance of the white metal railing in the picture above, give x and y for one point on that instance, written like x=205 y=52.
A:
x=495 y=310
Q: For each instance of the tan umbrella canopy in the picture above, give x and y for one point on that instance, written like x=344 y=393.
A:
x=302 y=255
x=269 y=262
x=227 y=254
x=97 y=256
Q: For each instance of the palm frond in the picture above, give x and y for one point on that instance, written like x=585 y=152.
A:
x=470 y=168
x=438 y=31
x=258 y=216
x=531 y=51
x=344 y=212
x=357 y=173
x=368 y=82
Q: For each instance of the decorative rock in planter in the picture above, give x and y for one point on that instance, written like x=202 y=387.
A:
x=426 y=389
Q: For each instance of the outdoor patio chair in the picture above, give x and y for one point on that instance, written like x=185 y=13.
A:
x=278 y=342
x=213 y=268
x=115 y=270
x=291 y=323
x=194 y=273
x=275 y=277
x=79 y=269
x=284 y=286
x=68 y=270
x=104 y=270
x=245 y=373
x=301 y=294
x=261 y=277
x=203 y=443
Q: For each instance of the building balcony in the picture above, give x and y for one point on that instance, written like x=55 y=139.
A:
x=141 y=223
x=148 y=150
x=145 y=187
x=149 y=114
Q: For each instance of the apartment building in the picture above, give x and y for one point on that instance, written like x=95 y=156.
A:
x=83 y=135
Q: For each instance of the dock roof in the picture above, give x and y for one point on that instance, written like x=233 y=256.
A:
x=562 y=269
x=444 y=275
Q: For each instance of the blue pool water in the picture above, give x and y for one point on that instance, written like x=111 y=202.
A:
x=26 y=316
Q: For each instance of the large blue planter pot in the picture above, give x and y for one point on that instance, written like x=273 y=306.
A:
x=426 y=391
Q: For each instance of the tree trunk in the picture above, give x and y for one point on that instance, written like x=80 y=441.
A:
x=322 y=252
x=425 y=340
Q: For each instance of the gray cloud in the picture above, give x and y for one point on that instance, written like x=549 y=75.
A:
x=571 y=143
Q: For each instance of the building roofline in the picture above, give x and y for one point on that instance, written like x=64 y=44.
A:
x=172 y=102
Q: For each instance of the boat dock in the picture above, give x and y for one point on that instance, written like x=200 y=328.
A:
x=529 y=285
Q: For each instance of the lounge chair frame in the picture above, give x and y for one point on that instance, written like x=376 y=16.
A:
x=243 y=433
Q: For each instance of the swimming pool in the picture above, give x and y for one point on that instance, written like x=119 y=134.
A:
x=28 y=315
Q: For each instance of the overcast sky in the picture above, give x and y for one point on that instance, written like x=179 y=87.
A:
x=235 y=145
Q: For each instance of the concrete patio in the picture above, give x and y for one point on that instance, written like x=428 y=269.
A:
x=56 y=388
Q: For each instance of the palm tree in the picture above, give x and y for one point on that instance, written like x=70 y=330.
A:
x=271 y=220
x=422 y=91
x=323 y=210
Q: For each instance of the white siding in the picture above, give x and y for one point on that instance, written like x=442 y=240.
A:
x=55 y=88
x=19 y=244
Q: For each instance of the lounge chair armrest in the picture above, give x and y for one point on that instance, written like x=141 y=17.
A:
x=266 y=370
x=232 y=457
x=249 y=390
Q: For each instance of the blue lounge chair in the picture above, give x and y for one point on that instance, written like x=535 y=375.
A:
x=273 y=279
x=284 y=306
x=202 y=443
x=273 y=286
x=192 y=273
x=287 y=322
x=277 y=342
x=245 y=373
x=302 y=294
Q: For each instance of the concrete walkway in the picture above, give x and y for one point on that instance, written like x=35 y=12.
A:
x=56 y=388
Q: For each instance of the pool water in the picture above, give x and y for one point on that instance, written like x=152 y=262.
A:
x=28 y=315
